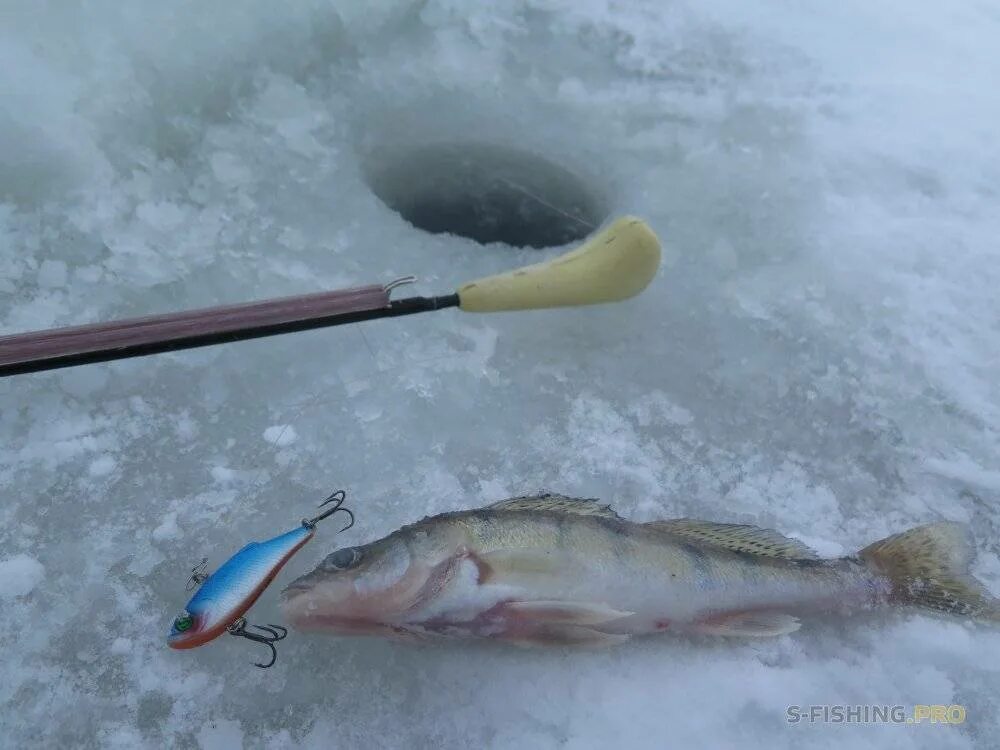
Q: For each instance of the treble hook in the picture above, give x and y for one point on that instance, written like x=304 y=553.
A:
x=239 y=629
x=337 y=498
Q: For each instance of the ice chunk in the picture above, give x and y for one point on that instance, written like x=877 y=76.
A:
x=167 y=529
x=102 y=466
x=19 y=575
x=281 y=435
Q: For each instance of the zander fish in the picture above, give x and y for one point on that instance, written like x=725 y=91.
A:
x=558 y=570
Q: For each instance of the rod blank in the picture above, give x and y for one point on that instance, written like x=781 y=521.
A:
x=100 y=342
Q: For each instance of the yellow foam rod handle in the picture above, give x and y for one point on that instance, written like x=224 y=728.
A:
x=616 y=263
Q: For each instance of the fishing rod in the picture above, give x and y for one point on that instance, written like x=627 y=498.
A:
x=616 y=263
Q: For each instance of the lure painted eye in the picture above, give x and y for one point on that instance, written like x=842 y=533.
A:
x=183 y=622
x=344 y=558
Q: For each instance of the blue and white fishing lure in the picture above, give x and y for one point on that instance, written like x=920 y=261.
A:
x=223 y=598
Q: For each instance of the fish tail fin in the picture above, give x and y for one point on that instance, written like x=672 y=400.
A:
x=928 y=567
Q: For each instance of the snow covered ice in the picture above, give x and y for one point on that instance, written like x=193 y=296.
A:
x=819 y=354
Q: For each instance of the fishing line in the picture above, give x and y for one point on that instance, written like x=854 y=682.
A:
x=525 y=191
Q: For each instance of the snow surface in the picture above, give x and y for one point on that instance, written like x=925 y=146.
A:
x=820 y=354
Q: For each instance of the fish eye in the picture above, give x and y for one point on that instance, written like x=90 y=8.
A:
x=183 y=622
x=344 y=558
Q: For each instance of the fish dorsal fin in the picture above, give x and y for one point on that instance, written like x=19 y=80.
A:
x=736 y=537
x=557 y=504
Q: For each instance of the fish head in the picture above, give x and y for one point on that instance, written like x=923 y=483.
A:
x=369 y=589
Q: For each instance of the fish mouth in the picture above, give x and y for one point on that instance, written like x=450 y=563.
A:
x=296 y=587
x=304 y=584
x=344 y=626
x=306 y=618
x=305 y=611
x=302 y=607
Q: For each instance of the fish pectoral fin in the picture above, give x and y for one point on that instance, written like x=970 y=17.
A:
x=569 y=613
x=568 y=635
x=749 y=624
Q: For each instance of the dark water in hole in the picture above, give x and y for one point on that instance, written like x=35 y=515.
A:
x=488 y=194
